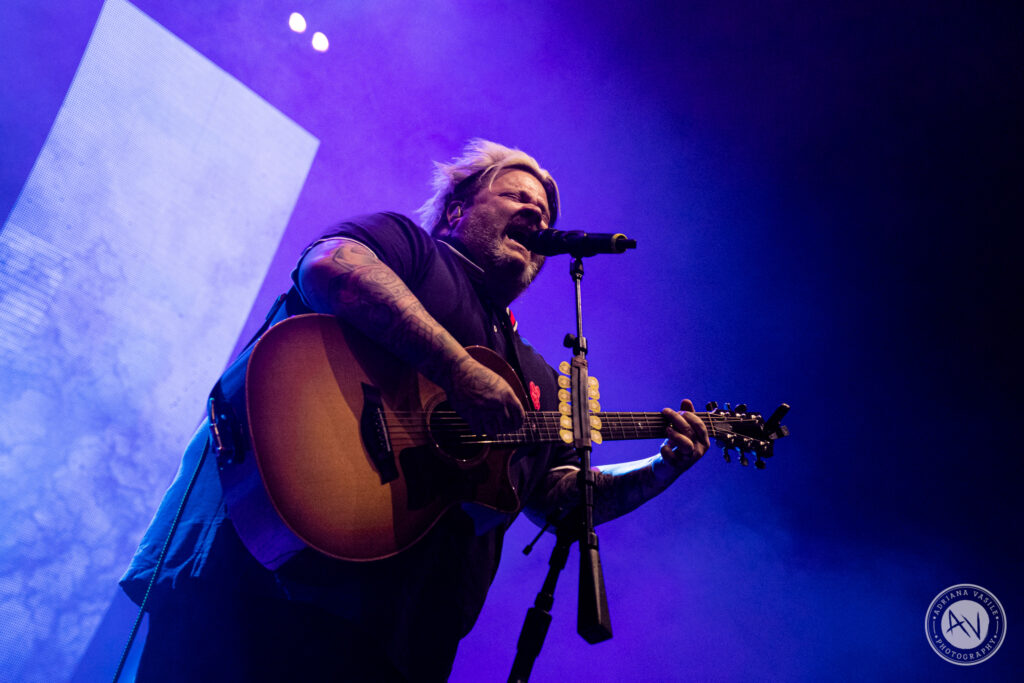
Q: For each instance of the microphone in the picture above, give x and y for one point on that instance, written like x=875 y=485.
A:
x=573 y=242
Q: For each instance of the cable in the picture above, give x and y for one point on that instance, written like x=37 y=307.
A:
x=160 y=562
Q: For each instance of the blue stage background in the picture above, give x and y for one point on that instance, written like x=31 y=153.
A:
x=826 y=200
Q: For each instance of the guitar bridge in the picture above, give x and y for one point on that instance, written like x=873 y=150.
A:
x=374 y=432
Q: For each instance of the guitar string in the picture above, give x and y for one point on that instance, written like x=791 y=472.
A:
x=540 y=425
x=513 y=438
x=471 y=440
x=614 y=415
x=455 y=428
x=551 y=420
x=614 y=420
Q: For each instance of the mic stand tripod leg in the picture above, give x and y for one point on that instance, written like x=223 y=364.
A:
x=538 y=617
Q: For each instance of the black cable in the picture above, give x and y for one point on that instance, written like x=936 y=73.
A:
x=160 y=562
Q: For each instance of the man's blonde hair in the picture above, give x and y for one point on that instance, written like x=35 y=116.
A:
x=480 y=163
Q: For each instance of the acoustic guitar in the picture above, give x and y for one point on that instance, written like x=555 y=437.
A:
x=359 y=456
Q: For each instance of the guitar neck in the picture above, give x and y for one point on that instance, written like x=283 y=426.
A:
x=545 y=427
x=632 y=426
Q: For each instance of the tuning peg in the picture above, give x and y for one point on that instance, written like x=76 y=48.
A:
x=595 y=436
x=564 y=367
x=595 y=422
x=566 y=435
x=592 y=382
x=565 y=422
x=592 y=392
x=711 y=406
x=727 y=408
x=595 y=407
x=728 y=444
x=743 y=459
x=741 y=408
x=563 y=382
x=759 y=463
x=776 y=417
x=563 y=395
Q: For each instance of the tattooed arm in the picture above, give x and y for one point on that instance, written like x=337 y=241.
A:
x=623 y=487
x=344 y=278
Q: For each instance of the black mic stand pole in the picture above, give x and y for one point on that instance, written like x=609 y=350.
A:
x=593 y=622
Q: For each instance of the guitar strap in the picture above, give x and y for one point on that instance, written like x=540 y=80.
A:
x=510 y=344
x=226 y=404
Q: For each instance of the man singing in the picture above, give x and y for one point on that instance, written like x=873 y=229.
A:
x=216 y=613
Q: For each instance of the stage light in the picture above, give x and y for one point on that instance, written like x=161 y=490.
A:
x=319 y=42
x=297 y=22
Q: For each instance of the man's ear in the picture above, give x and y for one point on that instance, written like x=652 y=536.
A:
x=453 y=212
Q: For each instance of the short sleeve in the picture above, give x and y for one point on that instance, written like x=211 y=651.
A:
x=398 y=242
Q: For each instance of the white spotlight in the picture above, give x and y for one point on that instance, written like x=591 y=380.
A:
x=319 y=42
x=297 y=22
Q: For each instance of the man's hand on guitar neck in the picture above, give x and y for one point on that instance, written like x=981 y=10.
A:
x=688 y=438
x=345 y=278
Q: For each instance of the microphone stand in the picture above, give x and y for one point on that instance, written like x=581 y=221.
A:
x=592 y=619
x=593 y=622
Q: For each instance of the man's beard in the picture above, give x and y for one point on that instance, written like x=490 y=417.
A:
x=506 y=276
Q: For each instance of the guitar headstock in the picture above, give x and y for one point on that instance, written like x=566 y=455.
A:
x=746 y=432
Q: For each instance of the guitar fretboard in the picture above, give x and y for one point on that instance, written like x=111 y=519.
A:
x=547 y=427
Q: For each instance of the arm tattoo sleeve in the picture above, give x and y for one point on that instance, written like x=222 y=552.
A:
x=368 y=294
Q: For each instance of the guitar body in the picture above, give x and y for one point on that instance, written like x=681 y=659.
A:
x=318 y=393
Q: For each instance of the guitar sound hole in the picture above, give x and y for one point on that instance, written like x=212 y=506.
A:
x=449 y=433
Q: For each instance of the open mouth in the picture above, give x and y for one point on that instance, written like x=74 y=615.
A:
x=517 y=247
x=514 y=233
